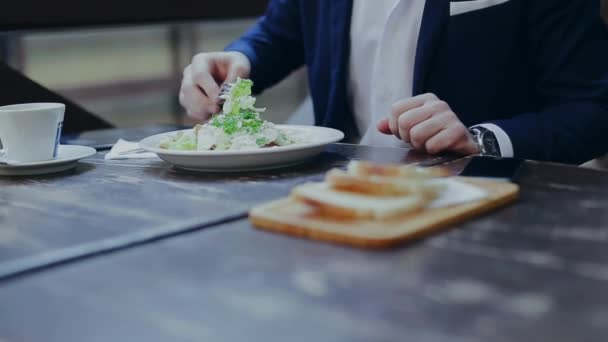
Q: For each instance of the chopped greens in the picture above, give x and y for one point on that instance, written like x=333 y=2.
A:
x=238 y=126
x=260 y=141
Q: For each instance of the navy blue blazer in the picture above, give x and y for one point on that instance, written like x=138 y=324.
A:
x=536 y=68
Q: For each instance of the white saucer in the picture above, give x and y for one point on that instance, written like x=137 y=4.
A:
x=67 y=157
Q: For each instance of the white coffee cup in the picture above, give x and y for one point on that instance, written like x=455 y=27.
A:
x=30 y=132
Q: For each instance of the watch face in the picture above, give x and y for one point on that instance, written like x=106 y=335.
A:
x=490 y=144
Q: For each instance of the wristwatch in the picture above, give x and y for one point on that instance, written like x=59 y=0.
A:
x=487 y=142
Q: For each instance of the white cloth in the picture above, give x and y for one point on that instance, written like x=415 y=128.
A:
x=384 y=37
x=600 y=163
x=123 y=149
x=462 y=7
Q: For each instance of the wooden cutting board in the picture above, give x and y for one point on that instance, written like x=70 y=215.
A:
x=293 y=218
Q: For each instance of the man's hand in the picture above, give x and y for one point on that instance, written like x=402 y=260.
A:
x=200 y=89
x=428 y=124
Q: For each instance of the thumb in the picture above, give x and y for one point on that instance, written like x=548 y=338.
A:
x=383 y=127
x=235 y=70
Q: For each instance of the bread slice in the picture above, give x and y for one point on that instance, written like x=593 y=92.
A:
x=287 y=216
x=382 y=185
x=338 y=204
x=367 y=169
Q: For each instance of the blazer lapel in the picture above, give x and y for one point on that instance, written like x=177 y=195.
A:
x=340 y=12
x=436 y=15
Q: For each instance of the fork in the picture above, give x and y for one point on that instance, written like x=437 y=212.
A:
x=224 y=92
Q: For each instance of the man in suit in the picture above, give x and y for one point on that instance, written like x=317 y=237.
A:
x=523 y=78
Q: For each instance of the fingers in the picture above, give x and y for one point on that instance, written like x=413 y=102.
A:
x=428 y=123
x=191 y=98
x=213 y=109
x=408 y=120
x=440 y=142
x=236 y=70
x=199 y=93
x=466 y=144
x=383 y=127
x=202 y=75
x=423 y=131
x=238 y=66
x=453 y=138
x=405 y=106
x=408 y=104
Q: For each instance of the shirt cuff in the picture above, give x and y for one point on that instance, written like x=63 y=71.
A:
x=504 y=142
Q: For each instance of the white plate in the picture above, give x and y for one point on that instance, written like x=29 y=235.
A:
x=247 y=160
x=67 y=157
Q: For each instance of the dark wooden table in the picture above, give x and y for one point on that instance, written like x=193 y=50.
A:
x=534 y=271
x=104 y=205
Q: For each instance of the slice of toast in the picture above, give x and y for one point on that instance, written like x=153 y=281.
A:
x=287 y=216
x=338 y=204
x=382 y=185
x=367 y=169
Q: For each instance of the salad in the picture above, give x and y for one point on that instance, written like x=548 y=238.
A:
x=238 y=127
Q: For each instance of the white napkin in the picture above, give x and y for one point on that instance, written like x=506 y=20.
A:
x=457 y=192
x=122 y=146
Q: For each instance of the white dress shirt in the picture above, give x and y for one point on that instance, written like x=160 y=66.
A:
x=384 y=37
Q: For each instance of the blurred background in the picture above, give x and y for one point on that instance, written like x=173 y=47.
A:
x=129 y=75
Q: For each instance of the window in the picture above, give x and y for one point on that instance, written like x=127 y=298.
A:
x=130 y=75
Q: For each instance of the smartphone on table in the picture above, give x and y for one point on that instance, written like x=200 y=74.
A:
x=491 y=167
